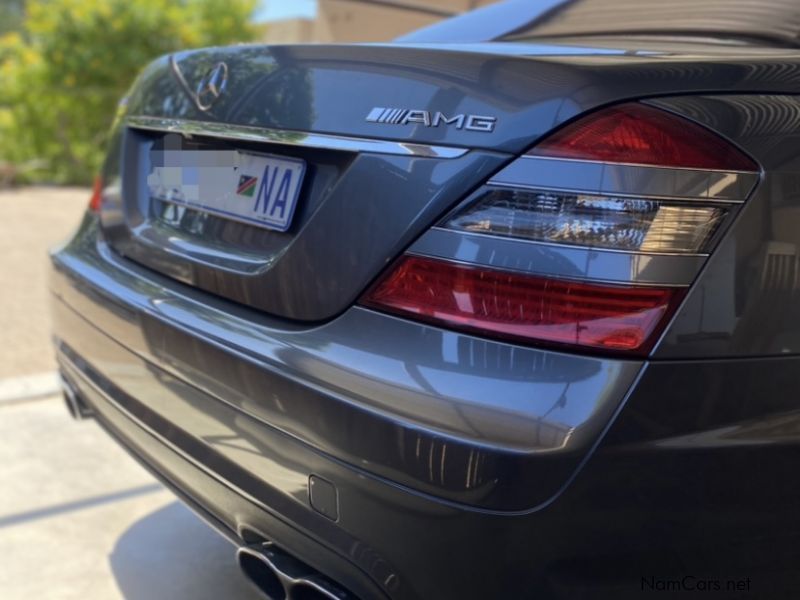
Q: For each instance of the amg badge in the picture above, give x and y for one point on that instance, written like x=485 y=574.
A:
x=403 y=116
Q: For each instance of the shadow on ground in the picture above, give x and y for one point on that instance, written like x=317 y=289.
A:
x=172 y=554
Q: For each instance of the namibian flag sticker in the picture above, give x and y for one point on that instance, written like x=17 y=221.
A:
x=247 y=185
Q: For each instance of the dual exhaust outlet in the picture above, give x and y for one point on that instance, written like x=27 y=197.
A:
x=277 y=574
x=282 y=577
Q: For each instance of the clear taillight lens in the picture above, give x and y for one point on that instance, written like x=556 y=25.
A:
x=517 y=306
x=633 y=224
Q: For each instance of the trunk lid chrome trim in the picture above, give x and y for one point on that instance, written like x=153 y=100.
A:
x=292 y=138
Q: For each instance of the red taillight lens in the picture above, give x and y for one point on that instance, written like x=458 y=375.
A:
x=640 y=134
x=525 y=307
x=94 y=201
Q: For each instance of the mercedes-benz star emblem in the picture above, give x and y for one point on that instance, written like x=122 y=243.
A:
x=211 y=86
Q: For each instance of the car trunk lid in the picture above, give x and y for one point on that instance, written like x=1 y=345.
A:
x=389 y=137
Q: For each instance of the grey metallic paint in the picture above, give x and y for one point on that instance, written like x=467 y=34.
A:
x=477 y=408
x=559 y=260
x=626 y=180
x=318 y=274
x=746 y=302
x=314 y=275
x=529 y=88
x=640 y=468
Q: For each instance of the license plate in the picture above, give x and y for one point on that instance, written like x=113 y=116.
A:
x=258 y=189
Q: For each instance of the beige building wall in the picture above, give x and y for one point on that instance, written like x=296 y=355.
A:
x=365 y=21
x=289 y=31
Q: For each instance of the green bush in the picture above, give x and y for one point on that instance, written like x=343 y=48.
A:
x=64 y=71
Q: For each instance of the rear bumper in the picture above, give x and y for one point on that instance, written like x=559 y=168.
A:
x=239 y=517
x=403 y=419
x=447 y=452
x=441 y=414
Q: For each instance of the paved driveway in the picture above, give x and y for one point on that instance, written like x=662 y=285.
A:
x=81 y=519
x=33 y=219
x=78 y=517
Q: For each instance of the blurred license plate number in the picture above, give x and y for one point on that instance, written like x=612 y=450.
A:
x=254 y=188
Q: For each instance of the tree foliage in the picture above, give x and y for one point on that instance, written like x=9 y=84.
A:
x=63 y=72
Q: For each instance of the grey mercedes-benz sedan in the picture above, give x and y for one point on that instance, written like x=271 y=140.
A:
x=509 y=308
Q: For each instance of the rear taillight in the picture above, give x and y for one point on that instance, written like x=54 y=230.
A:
x=523 y=307
x=616 y=222
x=589 y=241
x=642 y=135
x=95 y=199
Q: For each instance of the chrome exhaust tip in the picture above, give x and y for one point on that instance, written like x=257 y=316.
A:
x=316 y=588
x=256 y=562
x=77 y=408
x=280 y=576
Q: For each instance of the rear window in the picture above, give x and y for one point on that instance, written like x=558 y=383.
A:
x=777 y=20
